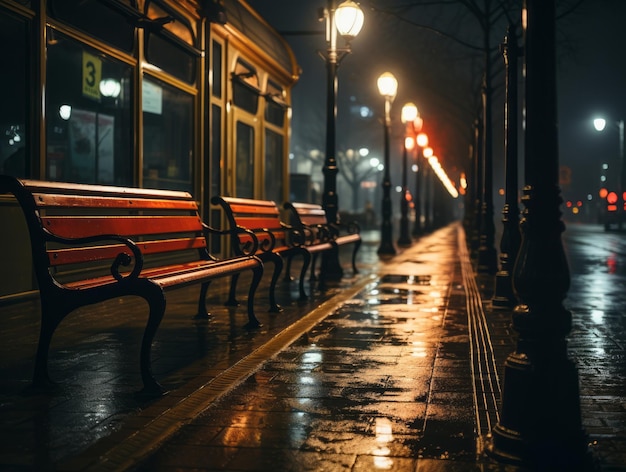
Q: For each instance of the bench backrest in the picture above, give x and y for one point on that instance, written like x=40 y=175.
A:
x=259 y=216
x=157 y=221
x=311 y=216
x=308 y=214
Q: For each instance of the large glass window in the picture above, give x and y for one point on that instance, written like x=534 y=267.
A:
x=245 y=87
x=245 y=160
x=89 y=127
x=216 y=69
x=170 y=42
x=13 y=80
x=273 y=166
x=109 y=21
x=167 y=136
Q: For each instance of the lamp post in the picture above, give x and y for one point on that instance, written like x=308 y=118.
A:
x=540 y=424
x=347 y=20
x=427 y=153
x=408 y=117
x=388 y=87
x=421 y=141
x=599 y=124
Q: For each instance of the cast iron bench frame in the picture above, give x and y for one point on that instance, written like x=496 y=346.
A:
x=138 y=233
x=311 y=219
x=277 y=240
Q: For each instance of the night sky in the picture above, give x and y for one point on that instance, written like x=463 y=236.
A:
x=443 y=76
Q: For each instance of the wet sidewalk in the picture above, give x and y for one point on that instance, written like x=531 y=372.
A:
x=383 y=382
x=398 y=368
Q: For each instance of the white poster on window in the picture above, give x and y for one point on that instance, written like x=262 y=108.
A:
x=152 y=96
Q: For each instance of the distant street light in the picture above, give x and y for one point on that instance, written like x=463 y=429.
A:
x=408 y=117
x=347 y=20
x=600 y=124
x=388 y=87
x=422 y=142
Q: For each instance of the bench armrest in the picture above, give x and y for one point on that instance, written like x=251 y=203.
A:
x=268 y=241
x=351 y=228
x=249 y=248
x=297 y=236
x=121 y=259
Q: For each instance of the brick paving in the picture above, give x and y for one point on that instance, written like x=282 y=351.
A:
x=382 y=375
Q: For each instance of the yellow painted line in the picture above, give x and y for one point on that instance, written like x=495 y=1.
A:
x=131 y=451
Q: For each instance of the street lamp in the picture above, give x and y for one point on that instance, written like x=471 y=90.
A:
x=599 y=124
x=347 y=20
x=421 y=141
x=408 y=117
x=388 y=87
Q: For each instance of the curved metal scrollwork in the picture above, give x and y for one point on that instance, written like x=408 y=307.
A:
x=121 y=259
x=250 y=246
x=268 y=241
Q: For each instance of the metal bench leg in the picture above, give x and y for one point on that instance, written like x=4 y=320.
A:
x=313 y=277
x=287 y=278
x=306 y=255
x=232 y=294
x=357 y=245
x=257 y=273
x=202 y=311
x=156 y=300
x=278 y=267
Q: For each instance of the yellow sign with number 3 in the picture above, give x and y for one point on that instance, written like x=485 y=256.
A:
x=92 y=74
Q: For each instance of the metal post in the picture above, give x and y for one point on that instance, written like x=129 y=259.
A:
x=386 y=241
x=504 y=296
x=330 y=268
x=540 y=422
x=428 y=202
x=478 y=189
x=622 y=179
x=405 y=238
x=417 y=198
x=486 y=251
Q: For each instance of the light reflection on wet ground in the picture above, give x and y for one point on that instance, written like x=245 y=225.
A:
x=381 y=383
x=378 y=384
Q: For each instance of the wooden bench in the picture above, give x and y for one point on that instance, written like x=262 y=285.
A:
x=92 y=243
x=276 y=239
x=311 y=219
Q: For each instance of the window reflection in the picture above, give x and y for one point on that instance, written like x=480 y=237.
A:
x=168 y=136
x=13 y=137
x=88 y=106
x=245 y=160
x=273 y=166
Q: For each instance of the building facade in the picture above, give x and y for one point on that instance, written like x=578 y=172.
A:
x=183 y=95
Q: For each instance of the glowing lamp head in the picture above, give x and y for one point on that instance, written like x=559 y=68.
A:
x=349 y=19
x=422 y=140
x=409 y=113
x=387 y=85
x=599 y=124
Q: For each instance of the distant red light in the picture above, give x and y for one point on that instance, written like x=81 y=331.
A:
x=611 y=198
x=603 y=193
x=568 y=204
x=611 y=207
x=579 y=203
